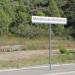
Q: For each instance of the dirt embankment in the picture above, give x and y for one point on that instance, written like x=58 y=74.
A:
x=16 y=55
x=5 y=56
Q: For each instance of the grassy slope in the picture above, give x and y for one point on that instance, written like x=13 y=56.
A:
x=37 y=58
x=38 y=43
x=27 y=58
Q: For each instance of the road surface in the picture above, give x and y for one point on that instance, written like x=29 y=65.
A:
x=62 y=69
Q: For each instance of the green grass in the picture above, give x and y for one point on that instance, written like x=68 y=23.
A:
x=37 y=61
x=23 y=63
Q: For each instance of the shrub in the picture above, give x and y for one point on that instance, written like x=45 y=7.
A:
x=63 y=50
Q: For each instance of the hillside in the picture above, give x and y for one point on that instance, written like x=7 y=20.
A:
x=15 y=17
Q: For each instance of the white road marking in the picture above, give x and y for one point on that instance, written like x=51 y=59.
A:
x=35 y=67
x=61 y=73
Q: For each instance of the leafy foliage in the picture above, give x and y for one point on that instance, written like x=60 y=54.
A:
x=15 y=17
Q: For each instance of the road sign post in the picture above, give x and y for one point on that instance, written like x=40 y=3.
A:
x=49 y=20
x=50 y=45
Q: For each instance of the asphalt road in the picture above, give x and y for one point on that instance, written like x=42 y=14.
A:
x=62 y=69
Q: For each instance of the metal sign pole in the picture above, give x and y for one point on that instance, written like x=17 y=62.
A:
x=50 y=46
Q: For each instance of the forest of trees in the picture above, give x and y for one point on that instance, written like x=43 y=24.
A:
x=15 y=17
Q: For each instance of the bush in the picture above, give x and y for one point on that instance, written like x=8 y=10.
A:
x=65 y=55
x=63 y=50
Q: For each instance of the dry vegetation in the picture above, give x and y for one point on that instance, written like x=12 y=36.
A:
x=35 y=51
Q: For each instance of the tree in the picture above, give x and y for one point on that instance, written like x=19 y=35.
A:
x=14 y=13
x=55 y=12
x=69 y=11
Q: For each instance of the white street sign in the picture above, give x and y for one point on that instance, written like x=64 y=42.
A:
x=49 y=20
